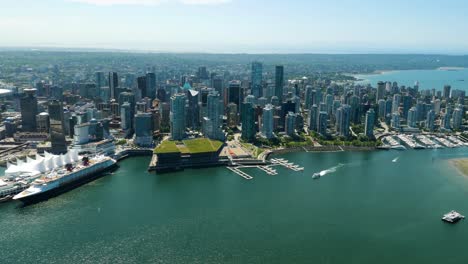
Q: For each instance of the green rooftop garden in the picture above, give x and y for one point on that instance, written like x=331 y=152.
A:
x=190 y=146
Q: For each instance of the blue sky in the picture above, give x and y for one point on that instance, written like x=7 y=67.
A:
x=256 y=26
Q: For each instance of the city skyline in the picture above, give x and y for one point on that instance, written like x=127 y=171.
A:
x=237 y=26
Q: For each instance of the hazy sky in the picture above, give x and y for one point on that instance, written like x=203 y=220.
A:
x=334 y=26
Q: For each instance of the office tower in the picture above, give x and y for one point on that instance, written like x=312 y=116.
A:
x=193 y=110
x=430 y=120
x=412 y=117
x=313 y=118
x=105 y=94
x=388 y=106
x=127 y=97
x=217 y=84
x=317 y=99
x=177 y=116
x=232 y=115
x=126 y=116
x=113 y=84
x=279 y=82
x=28 y=105
x=290 y=124
x=202 y=73
x=43 y=122
x=248 y=122
x=57 y=133
x=144 y=129
x=343 y=116
x=355 y=109
x=308 y=96
x=369 y=125
x=56 y=92
x=257 y=72
x=151 y=85
x=380 y=91
x=322 y=123
x=250 y=99
x=100 y=80
x=396 y=103
x=165 y=109
x=212 y=125
x=447 y=89
x=329 y=104
x=395 y=123
x=141 y=85
x=457 y=118
x=267 y=121
x=234 y=93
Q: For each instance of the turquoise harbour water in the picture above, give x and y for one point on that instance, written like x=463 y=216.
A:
x=427 y=79
x=370 y=210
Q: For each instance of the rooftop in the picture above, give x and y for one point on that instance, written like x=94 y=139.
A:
x=190 y=146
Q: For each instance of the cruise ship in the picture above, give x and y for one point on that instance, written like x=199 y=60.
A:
x=18 y=177
x=59 y=173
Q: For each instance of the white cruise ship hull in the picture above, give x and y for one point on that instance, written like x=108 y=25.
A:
x=67 y=183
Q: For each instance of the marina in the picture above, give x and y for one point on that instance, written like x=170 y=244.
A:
x=422 y=141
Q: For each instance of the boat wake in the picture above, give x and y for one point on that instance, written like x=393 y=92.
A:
x=327 y=171
x=395 y=159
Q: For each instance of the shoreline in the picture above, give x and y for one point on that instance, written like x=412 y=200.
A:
x=461 y=165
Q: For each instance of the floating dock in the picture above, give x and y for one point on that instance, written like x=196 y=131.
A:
x=240 y=173
x=286 y=164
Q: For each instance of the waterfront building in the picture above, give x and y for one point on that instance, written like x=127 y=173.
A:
x=57 y=132
x=193 y=110
x=279 y=82
x=445 y=120
x=412 y=117
x=430 y=120
x=395 y=123
x=144 y=129
x=232 y=115
x=126 y=116
x=248 y=122
x=212 y=124
x=257 y=72
x=369 y=125
x=343 y=118
x=388 y=107
x=267 y=121
x=290 y=124
x=322 y=123
x=28 y=105
x=313 y=118
x=457 y=118
x=177 y=116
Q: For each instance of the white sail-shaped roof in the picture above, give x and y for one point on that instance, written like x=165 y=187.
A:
x=29 y=160
x=67 y=158
x=19 y=162
x=39 y=157
x=58 y=161
x=9 y=165
x=40 y=166
x=47 y=154
x=74 y=154
x=49 y=163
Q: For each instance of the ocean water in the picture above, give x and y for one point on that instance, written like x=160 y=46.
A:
x=369 y=209
x=427 y=79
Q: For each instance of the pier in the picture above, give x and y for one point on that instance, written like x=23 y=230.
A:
x=240 y=173
x=266 y=168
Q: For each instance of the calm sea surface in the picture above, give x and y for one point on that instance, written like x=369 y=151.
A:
x=368 y=210
x=427 y=79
